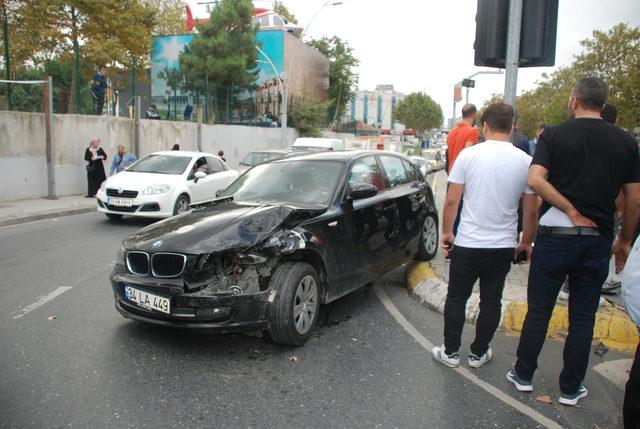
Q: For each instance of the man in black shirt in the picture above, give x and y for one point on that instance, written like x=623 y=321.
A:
x=578 y=169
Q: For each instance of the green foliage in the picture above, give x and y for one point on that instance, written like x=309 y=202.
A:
x=282 y=10
x=308 y=117
x=225 y=48
x=419 y=112
x=613 y=56
x=343 y=81
x=170 y=16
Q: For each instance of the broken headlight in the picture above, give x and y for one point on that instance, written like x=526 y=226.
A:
x=286 y=242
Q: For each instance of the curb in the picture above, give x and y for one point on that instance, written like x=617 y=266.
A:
x=613 y=327
x=47 y=215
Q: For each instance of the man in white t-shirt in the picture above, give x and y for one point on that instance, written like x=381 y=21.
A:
x=493 y=177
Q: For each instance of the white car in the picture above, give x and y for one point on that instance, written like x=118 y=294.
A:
x=425 y=167
x=163 y=184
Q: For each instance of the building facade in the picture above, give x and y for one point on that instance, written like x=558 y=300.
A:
x=375 y=108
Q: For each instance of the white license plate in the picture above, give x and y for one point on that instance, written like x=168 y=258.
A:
x=147 y=300
x=122 y=202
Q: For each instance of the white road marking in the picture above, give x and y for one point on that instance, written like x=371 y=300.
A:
x=427 y=345
x=41 y=301
x=59 y=291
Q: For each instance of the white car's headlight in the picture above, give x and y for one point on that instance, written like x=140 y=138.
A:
x=103 y=186
x=156 y=189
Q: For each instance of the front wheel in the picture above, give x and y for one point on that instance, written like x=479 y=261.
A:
x=294 y=312
x=181 y=205
x=428 y=243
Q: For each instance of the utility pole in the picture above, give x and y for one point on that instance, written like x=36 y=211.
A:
x=513 y=52
x=5 y=34
x=133 y=84
x=49 y=138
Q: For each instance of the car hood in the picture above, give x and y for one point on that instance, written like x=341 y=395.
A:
x=216 y=228
x=140 y=181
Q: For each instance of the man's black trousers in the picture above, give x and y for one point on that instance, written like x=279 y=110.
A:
x=468 y=265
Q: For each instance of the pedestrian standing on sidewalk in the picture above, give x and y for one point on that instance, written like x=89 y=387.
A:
x=493 y=178
x=95 y=168
x=578 y=169
x=631 y=298
x=462 y=136
x=98 y=88
x=122 y=160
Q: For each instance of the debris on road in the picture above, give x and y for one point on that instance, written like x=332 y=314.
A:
x=545 y=399
x=293 y=359
x=52 y=318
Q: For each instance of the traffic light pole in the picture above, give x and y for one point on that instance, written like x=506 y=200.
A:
x=513 y=52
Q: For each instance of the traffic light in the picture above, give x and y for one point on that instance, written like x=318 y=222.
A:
x=537 y=34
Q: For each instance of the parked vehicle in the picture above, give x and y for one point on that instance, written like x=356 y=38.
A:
x=260 y=156
x=164 y=184
x=434 y=158
x=423 y=165
x=317 y=144
x=282 y=239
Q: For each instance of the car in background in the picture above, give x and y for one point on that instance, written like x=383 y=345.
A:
x=282 y=239
x=423 y=165
x=164 y=184
x=434 y=158
x=317 y=144
x=260 y=156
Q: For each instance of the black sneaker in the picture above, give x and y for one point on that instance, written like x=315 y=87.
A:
x=572 y=400
x=521 y=385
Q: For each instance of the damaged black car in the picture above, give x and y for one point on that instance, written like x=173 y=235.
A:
x=281 y=240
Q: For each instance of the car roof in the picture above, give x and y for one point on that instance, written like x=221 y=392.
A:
x=269 y=150
x=337 y=155
x=183 y=153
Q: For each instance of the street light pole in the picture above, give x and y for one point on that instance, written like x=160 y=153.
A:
x=513 y=52
x=5 y=34
x=476 y=74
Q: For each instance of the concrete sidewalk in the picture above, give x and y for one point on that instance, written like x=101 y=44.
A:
x=428 y=281
x=21 y=211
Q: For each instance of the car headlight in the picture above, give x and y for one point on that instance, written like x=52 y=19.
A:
x=156 y=189
x=103 y=186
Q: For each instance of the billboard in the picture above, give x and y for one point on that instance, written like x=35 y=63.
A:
x=165 y=52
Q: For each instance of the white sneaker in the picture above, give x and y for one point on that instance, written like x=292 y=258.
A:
x=573 y=399
x=521 y=385
x=452 y=360
x=477 y=362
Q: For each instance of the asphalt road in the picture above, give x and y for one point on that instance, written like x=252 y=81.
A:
x=70 y=360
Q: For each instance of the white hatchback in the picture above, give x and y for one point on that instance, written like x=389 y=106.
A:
x=163 y=184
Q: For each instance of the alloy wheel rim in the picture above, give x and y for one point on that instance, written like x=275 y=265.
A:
x=429 y=235
x=305 y=304
x=183 y=205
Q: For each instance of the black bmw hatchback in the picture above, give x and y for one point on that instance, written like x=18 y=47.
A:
x=282 y=239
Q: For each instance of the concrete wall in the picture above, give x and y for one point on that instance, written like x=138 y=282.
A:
x=23 y=166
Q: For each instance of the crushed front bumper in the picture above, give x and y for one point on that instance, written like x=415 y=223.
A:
x=219 y=313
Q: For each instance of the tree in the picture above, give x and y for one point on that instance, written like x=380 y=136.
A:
x=170 y=16
x=343 y=81
x=419 y=112
x=308 y=117
x=224 y=51
x=281 y=9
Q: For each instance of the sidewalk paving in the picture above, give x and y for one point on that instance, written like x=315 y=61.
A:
x=21 y=211
x=428 y=281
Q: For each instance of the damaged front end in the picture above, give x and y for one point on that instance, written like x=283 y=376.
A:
x=226 y=291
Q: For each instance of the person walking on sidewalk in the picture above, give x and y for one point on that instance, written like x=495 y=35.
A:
x=94 y=154
x=493 y=178
x=578 y=169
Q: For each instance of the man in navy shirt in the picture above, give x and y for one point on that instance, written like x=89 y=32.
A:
x=98 y=88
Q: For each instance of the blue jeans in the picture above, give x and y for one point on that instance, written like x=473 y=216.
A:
x=585 y=259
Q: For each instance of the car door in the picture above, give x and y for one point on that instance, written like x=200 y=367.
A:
x=199 y=188
x=412 y=203
x=368 y=221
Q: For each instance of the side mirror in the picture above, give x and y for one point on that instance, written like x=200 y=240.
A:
x=199 y=175
x=363 y=191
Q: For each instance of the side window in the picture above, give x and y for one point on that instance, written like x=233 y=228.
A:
x=412 y=174
x=365 y=171
x=215 y=166
x=201 y=165
x=395 y=170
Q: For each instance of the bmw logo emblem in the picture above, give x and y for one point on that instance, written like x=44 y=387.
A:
x=120 y=190
x=157 y=243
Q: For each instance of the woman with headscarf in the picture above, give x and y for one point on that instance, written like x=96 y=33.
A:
x=95 y=168
x=122 y=160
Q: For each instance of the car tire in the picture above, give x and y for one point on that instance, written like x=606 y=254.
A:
x=181 y=202
x=297 y=291
x=428 y=243
x=113 y=216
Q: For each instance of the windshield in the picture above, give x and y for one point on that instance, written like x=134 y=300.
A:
x=255 y=158
x=163 y=164
x=430 y=156
x=419 y=161
x=300 y=183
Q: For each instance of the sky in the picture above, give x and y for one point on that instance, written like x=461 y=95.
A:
x=427 y=45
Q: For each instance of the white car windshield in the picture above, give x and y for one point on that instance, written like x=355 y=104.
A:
x=300 y=183
x=162 y=164
x=255 y=158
